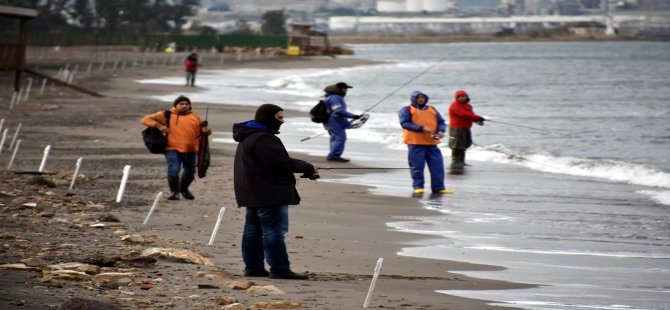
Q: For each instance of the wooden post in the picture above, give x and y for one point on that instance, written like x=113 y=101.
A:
x=21 y=57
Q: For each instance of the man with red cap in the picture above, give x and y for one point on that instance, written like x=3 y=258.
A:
x=461 y=117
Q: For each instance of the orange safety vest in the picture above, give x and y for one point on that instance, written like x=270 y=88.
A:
x=426 y=118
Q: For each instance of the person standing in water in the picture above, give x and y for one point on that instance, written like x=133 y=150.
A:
x=461 y=117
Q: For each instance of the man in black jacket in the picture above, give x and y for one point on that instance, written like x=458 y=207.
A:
x=265 y=185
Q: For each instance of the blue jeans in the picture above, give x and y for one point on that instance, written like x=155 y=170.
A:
x=176 y=160
x=190 y=78
x=263 y=238
x=418 y=156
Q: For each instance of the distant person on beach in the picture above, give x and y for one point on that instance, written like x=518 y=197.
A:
x=265 y=185
x=461 y=117
x=423 y=127
x=338 y=122
x=191 y=65
x=183 y=133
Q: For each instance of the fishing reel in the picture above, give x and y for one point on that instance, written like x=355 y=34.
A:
x=361 y=121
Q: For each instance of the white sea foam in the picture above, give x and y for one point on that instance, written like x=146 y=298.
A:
x=662 y=197
x=557 y=305
x=604 y=169
x=568 y=252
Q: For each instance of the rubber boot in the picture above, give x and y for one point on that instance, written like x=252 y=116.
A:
x=183 y=187
x=173 y=181
x=457 y=159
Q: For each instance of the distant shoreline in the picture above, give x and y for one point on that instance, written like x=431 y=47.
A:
x=355 y=39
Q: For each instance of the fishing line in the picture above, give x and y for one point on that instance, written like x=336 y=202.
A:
x=362 y=168
x=395 y=91
x=529 y=127
x=520 y=157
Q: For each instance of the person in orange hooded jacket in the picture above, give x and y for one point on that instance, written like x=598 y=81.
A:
x=461 y=117
x=183 y=135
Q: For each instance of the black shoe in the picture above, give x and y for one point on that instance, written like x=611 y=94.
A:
x=174 y=196
x=339 y=159
x=256 y=273
x=290 y=275
x=188 y=195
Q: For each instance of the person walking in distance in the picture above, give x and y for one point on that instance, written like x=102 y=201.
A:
x=183 y=133
x=265 y=186
x=461 y=117
x=338 y=122
x=191 y=65
x=423 y=127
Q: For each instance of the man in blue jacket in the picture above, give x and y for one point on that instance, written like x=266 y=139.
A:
x=338 y=122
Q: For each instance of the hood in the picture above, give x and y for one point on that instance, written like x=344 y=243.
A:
x=459 y=93
x=333 y=90
x=245 y=129
x=413 y=99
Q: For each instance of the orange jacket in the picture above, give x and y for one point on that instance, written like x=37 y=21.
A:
x=426 y=118
x=184 y=132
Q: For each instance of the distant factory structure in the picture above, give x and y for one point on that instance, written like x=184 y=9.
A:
x=414 y=6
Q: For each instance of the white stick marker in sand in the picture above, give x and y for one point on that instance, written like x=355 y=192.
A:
x=216 y=227
x=30 y=85
x=44 y=84
x=44 y=158
x=11 y=103
x=2 y=123
x=76 y=171
x=16 y=134
x=11 y=160
x=124 y=180
x=2 y=140
x=153 y=206
x=374 y=281
x=18 y=97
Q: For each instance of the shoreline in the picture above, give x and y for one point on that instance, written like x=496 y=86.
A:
x=339 y=279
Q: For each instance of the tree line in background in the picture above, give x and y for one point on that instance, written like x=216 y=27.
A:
x=136 y=17
x=109 y=16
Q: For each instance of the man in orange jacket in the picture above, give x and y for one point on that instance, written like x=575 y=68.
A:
x=423 y=127
x=183 y=134
x=461 y=117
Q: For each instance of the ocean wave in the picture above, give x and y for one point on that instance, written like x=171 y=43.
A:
x=601 y=168
x=662 y=197
x=569 y=252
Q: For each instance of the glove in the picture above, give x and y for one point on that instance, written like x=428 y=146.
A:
x=356 y=116
x=204 y=124
x=480 y=122
x=312 y=176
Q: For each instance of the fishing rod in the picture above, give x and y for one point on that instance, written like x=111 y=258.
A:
x=362 y=168
x=519 y=157
x=393 y=92
x=529 y=127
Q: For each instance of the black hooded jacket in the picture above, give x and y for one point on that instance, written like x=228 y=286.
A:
x=263 y=171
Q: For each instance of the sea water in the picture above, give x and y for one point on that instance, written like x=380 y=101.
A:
x=569 y=186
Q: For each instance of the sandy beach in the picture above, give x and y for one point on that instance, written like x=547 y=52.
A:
x=337 y=233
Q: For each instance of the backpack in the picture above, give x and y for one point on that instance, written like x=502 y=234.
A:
x=319 y=113
x=154 y=139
